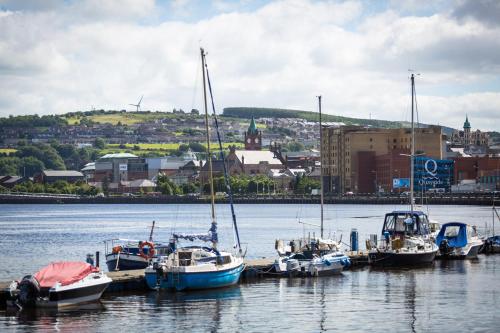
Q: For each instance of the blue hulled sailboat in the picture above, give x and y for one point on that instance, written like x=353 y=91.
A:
x=200 y=267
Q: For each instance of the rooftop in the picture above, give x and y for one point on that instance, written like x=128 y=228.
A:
x=118 y=155
x=62 y=173
x=257 y=156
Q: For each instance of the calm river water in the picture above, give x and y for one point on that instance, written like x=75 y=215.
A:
x=449 y=296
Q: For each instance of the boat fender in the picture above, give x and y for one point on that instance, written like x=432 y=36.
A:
x=29 y=289
x=151 y=251
x=386 y=237
x=345 y=262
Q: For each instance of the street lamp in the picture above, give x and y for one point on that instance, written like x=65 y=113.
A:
x=375 y=181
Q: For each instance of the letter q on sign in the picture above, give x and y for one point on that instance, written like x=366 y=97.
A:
x=431 y=167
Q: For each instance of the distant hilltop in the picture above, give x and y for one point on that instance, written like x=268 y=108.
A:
x=249 y=112
x=122 y=117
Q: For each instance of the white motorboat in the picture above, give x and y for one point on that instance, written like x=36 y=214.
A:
x=311 y=256
x=458 y=240
x=314 y=258
x=60 y=284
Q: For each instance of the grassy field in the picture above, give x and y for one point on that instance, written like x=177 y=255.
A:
x=148 y=146
x=125 y=118
x=164 y=146
x=72 y=120
x=7 y=150
x=156 y=148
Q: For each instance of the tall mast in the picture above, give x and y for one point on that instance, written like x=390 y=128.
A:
x=151 y=232
x=412 y=156
x=227 y=181
x=209 y=157
x=321 y=161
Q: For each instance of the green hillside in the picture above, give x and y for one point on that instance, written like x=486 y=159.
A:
x=249 y=112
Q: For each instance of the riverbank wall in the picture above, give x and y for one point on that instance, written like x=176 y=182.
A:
x=448 y=199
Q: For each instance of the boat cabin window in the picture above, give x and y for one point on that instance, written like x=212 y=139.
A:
x=451 y=231
x=221 y=260
x=162 y=251
x=401 y=224
x=184 y=258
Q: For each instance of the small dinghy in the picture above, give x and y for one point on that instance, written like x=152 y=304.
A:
x=60 y=284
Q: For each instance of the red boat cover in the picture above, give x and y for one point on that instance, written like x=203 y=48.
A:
x=64 y=272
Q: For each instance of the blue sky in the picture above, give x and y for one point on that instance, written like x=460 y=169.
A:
x=59 y=56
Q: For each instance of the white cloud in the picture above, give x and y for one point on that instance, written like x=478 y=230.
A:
x=281 y=55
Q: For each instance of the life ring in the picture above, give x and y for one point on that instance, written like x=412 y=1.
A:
x=151 y=251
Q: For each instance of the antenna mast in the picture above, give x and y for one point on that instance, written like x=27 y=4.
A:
x=209 y=157
x=321 y=160
x=412 y=156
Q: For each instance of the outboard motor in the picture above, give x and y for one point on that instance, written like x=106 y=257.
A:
x=444 y=248
x=29 y=289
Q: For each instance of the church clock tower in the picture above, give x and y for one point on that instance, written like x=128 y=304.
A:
x=253 y=137
x=467 y=136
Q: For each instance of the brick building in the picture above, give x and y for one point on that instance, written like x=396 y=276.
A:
x=473 y=168
x=350 y=155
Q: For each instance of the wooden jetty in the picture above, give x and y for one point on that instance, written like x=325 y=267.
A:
x=133 y=280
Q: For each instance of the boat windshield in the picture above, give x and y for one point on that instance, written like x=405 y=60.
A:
x=452 y=231
x=404 y=224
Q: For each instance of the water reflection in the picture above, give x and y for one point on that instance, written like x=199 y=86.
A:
x=457 y=266
x=65 y=319
x=410 y=297
x=209 y=308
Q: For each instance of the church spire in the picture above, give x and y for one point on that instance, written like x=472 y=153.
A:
x=466 y=124
x=252 y=129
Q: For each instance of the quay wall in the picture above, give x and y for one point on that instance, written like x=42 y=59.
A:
x=455 y=199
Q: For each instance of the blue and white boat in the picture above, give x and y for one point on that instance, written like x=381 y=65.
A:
x=199 y=267
x=195 y=268
x=330 y=263
x=458 y=240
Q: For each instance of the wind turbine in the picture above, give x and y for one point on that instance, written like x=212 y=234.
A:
x=138 y=105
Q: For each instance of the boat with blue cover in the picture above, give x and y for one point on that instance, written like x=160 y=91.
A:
x=200 y=267
x=458 y=240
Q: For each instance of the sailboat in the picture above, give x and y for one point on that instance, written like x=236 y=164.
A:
x=492 y=243
x=312 y=256
x=405 y=234
x=200 y=267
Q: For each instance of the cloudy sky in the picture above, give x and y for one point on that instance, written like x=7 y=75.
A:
x=58 y=56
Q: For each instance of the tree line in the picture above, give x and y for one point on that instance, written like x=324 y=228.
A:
x=33 y=158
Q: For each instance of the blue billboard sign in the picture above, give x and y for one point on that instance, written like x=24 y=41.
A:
x=431 y=173
x=401 y=183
